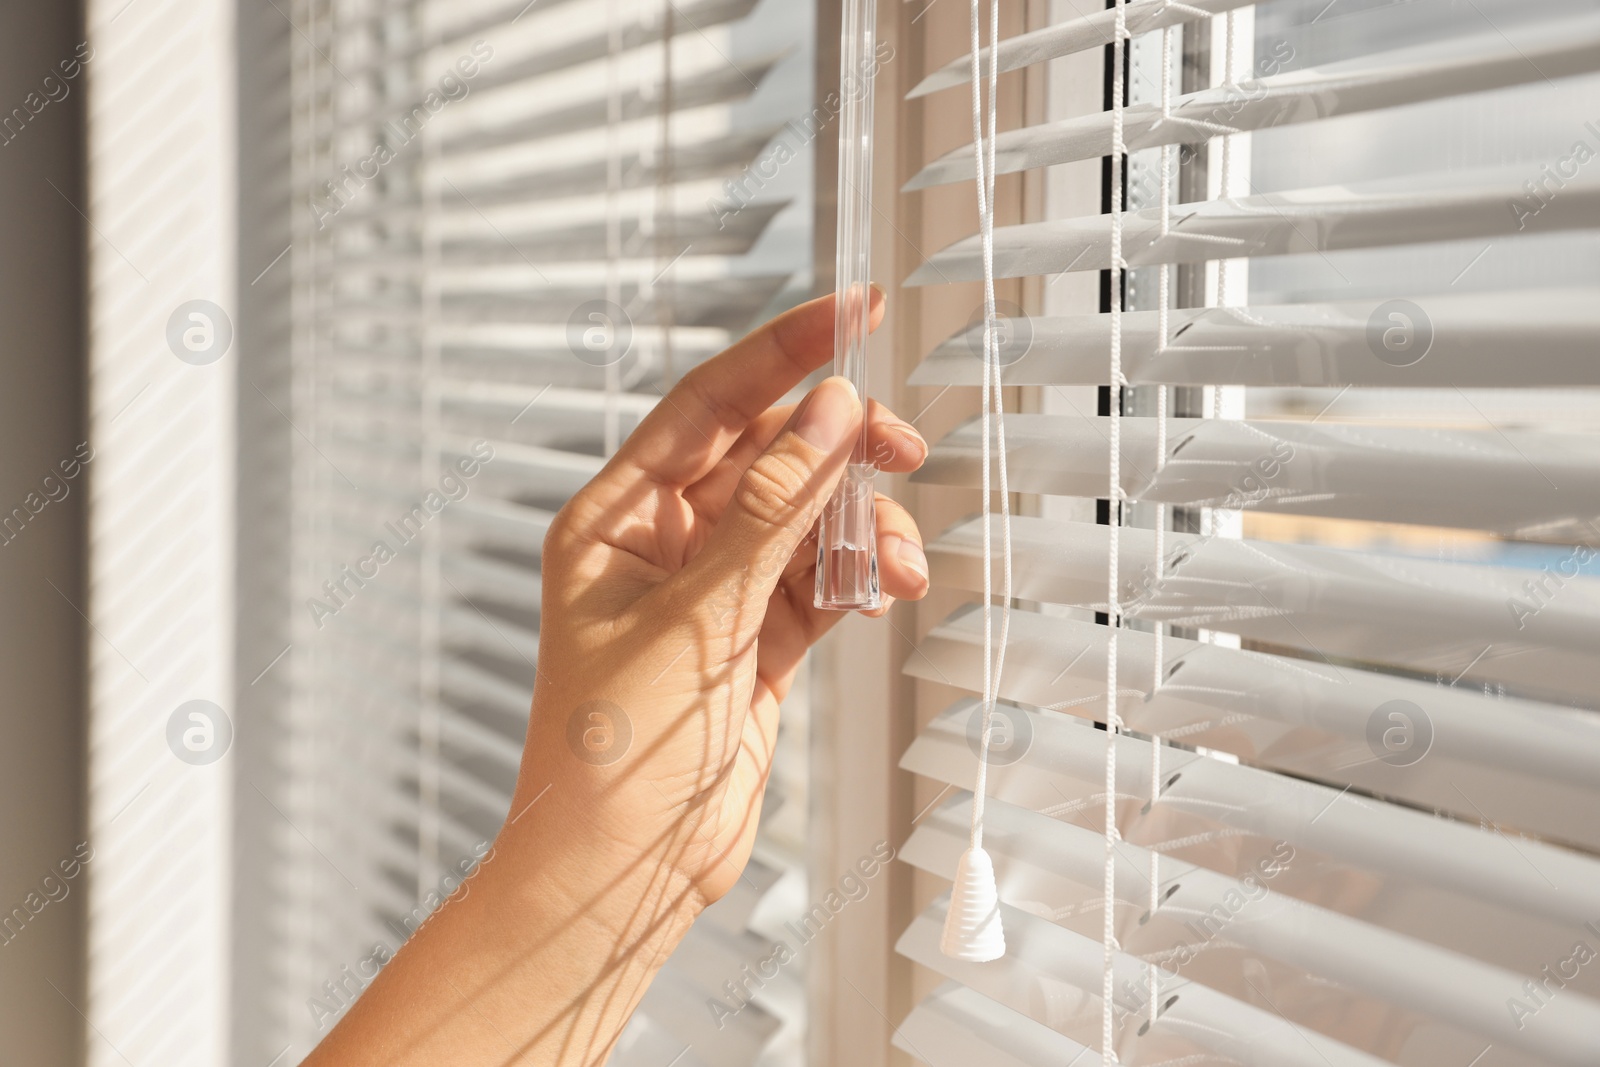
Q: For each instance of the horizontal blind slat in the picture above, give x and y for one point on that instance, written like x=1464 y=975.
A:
x=699 y=14
x=680 y=1009
x=1498 y=481
x=1201 y=1023
x=1525 y=339
x=1054 y=869
x=721 y=303
x=1425 y=616
x=1413 y=210
x=1475 y=64
x=959 y=1027
x=1077 y=34
x=1517 y=762
x=1061 y=774
x=665 y=238
x=717 y=86
x=690 y=160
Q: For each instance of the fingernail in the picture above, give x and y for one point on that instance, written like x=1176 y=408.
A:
x=910 y=553
x=879 y=295
x=829 y=414
x=909 y=432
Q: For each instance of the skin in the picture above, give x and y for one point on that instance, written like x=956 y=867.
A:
x=677 y=607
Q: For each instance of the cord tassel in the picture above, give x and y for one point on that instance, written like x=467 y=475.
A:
x=972 y=930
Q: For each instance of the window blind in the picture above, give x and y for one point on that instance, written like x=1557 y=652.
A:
x=515 y=226
x=1354 y=616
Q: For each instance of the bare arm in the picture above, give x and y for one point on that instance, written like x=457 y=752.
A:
x=676 y=610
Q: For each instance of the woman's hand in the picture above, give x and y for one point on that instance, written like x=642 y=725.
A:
x=678 y=592
x=677 y=607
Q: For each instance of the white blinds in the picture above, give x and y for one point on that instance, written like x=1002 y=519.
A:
x=1356 y=680
x=516 y=225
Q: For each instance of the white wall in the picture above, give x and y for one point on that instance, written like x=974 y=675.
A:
x=161 y=197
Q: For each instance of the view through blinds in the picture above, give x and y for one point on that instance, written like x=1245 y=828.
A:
x=516 y=225
x=1355 y=612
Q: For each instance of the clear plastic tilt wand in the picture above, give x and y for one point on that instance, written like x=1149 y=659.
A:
x=847 y=542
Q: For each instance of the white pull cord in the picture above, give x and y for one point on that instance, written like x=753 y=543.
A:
x=1108 y=1050
x=972 y=929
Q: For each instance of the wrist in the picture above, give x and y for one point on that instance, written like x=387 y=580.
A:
x=557 y=865
x=597 y=804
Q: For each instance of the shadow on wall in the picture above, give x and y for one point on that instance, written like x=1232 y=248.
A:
x=44 y=470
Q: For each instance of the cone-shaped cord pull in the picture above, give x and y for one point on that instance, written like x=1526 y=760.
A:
x=972 y=930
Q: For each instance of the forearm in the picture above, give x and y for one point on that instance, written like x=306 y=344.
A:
x=539 y=959
x=678 y=602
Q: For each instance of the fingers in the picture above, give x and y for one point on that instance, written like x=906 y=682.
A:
x=893 y=445
x=693 y=426
x=902 y=566
x=901 y=573
x=779 y=496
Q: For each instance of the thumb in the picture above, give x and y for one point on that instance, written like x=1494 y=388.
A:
x=779 y=497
